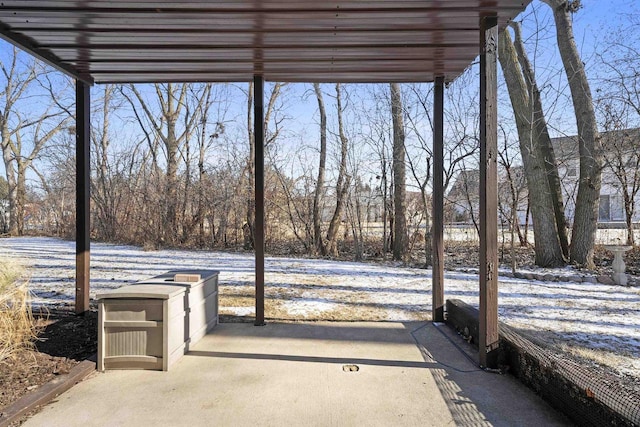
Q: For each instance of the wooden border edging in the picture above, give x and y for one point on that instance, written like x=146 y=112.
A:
x=47 y=392
x=587 y=395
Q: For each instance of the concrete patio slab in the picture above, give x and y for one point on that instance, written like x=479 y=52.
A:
x=292 y=374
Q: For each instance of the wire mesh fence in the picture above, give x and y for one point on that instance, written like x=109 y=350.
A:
x=589 y=395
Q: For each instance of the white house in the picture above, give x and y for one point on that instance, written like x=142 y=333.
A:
x=621 y=152
x=621 y=169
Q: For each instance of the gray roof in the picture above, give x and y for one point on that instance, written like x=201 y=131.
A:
x=566 y=147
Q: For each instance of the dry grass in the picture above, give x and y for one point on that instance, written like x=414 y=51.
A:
x=599 y=356
x=288 y=303
x=18 y=328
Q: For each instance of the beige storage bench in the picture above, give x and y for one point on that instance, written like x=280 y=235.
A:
x=202 y=299
x=141 y=327
x=152 y=323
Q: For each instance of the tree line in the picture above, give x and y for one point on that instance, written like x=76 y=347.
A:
x=173 y=164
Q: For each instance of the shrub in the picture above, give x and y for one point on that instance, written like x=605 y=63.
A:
x=18 y=329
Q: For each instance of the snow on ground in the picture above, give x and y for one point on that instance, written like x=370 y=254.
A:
x=589 y=316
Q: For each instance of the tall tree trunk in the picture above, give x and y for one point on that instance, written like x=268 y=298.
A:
x=317 y=233
x=171 y=145
x=248 y=227
x=358 y=231
x=399 y=175
x=385 y=210
x=342 y=186
x=202 y=138
x=548 y=251
x=185 y=224
x=13 y=190
x=629 y=208
x=541 y=133
x=21 y=196
x=585 y=223
x=426 y=208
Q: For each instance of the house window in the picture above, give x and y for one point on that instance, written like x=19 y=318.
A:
x=604 y=210
x=572 y=171
x=616 y=207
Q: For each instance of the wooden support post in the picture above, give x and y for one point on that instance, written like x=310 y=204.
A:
x=83 y=185
x=258 y=237
x=488 y=344
x=438 y=203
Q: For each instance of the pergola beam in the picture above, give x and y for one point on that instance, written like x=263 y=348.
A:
x=488 y=192
x=293 y=44
x=83 y=184
x=290 y=9
x=438 y=203
x=186 y=30
x=29 y=46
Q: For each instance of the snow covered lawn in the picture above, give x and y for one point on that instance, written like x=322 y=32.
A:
x=593 y=320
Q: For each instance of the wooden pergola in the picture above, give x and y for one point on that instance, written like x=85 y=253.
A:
x=121 y=41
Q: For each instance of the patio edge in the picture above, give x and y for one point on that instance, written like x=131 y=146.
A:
x=47 y=392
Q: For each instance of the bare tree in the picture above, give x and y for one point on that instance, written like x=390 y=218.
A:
x=23 y=136
x=208 y=127
x=108 y=192
x=298 y=191
x=57 y=184
x=172 y=116
x=515 y=192
x=622 y=162
x=461 y=144
x=591 y=161
x=541 y=132
x=420 y=171
x=399 y=174
x=378 y=135
x=317 y=219
x=462 y=140
x=620 y=64
x=272 y=126
x=527 y=110
x=619 y=105
x=342 y=183
x=354 y=204
x=170 y=101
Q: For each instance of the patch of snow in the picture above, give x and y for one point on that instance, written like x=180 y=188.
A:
x=593 y=315
x=239 y=311
x=307 y=307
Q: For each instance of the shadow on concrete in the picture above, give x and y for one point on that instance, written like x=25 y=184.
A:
x=312 y=359
x=472 y=396
x=292 y=373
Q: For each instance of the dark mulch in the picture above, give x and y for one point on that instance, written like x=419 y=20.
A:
x=65 y=341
